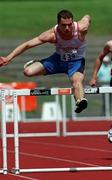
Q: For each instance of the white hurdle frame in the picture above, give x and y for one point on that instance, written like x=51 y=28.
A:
x=96 y=90
x=42 y=134
x=52 y=91
x=3 y=94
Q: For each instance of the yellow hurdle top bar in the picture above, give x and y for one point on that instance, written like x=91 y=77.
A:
x=54 y=91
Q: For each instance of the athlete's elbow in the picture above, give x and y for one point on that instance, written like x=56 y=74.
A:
x=88 y=17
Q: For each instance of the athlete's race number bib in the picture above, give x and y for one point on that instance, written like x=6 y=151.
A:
x=68 y=56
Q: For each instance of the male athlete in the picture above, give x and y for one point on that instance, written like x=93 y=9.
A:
x=106 y=50
x=69 y=39
x=99 y=60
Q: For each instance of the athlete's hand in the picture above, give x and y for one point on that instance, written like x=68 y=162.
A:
x=93 y=82
x=3 y=61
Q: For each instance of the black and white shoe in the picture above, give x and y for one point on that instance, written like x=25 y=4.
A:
x=31 y=62
x=110 y=135
x=81 y=105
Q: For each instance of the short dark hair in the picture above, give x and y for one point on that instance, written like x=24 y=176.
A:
x=65 y=14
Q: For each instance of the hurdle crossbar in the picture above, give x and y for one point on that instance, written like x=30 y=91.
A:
x=66 y=169
x=59 y=91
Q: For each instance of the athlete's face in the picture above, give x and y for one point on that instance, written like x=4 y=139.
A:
x=65 y=26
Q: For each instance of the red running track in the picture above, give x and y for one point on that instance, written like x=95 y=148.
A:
x=72 y=151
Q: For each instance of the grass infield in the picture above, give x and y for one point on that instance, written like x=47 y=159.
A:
x=27 y=19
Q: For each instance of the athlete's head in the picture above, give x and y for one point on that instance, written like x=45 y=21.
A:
x=65 y=22
x=65 y=14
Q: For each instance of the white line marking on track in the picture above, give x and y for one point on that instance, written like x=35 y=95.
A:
x=56 y=158
x=62 y=146
x=23 y=177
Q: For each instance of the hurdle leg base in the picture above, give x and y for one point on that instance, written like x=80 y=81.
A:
x=15 y=171
x=3 y=171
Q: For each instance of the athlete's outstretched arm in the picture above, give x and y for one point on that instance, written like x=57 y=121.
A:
x=41 y=39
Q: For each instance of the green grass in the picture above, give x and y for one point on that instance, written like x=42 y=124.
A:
x=30 y=18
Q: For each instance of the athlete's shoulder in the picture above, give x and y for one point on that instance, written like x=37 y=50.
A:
x=108 y=46
x=109 y=43
x=47 y=36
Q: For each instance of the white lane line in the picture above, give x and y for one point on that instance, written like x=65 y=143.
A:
x=23 y=177
x=56 y=159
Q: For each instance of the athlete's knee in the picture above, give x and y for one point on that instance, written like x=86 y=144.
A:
x=77 y=82
x=27 y=72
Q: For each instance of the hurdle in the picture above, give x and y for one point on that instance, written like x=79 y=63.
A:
x=28 y=92
x=3 y=94
x=87 y=90
x=52 y=91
